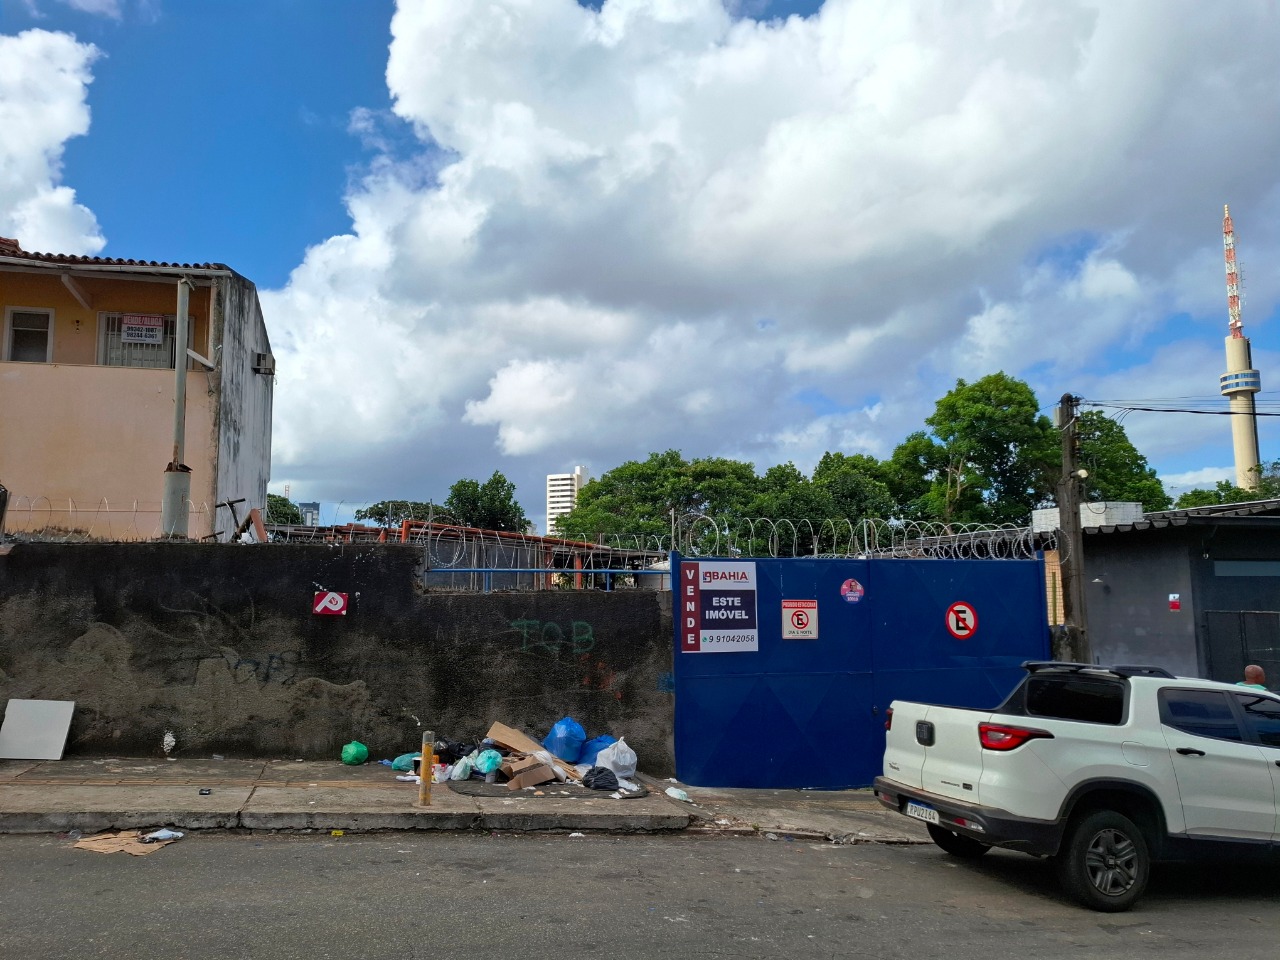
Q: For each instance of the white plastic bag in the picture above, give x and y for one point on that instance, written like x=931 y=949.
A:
x=461 y=770
x=619 y=758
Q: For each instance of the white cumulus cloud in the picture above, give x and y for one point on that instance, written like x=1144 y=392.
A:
x=663 y=225
x=44 y=80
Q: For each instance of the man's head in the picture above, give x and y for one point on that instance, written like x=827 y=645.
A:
x=1255 y=674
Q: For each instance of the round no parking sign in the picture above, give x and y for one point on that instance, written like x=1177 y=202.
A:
x=962 y=620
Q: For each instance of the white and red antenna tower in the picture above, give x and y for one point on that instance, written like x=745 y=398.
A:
x=1241 y=381
x=1233 y=274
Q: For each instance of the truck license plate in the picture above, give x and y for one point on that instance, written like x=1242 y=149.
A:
x=921 y=812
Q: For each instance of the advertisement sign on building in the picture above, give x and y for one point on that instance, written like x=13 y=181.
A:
x=141 y=328
x=718 y=607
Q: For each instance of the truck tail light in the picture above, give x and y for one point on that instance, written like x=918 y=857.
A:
x=888 y=718
x=998 y=736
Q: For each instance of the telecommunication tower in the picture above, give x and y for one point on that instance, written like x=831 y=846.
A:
x=1241 y=381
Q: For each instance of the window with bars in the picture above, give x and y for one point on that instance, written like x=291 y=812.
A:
x=140 y=339
x=30 y=336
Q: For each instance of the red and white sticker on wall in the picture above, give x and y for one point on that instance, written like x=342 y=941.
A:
x=962 y=620
x=329 y=603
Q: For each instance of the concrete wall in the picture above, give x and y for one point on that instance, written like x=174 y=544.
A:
x=217 y=643
x=244 y=399
x=84 y=448
x=1129 y=616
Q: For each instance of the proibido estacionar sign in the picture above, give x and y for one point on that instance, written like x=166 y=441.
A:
x=718 y=607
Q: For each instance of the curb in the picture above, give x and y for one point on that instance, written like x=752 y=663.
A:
x=98 y=821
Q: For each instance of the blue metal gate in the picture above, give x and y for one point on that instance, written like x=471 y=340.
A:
x=783 y=668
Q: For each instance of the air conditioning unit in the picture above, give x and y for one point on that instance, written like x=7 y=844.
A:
x=264 y=363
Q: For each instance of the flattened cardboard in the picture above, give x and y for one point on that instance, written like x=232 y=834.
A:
x=121 y=841
x=513 y=739
x=35 y=729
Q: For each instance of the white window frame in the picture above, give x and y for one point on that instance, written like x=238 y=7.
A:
x=8 y=331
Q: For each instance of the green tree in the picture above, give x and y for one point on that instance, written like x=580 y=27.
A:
x=990 y=456
x=855 y=485
x=282 y=510
x=1117 y=471
x=638 y=497
x=489 y=506
x=787 y=498
x=1227 y=492
x=391 y=513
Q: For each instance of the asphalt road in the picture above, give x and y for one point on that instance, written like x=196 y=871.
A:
x=420 y=896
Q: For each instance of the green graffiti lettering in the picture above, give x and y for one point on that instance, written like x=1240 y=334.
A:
x=583 y=639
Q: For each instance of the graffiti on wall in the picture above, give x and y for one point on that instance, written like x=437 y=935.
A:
x=279 y=668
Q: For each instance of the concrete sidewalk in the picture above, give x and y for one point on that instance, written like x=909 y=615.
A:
x=95 y=794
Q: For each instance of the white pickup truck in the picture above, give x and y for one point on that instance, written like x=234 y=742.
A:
x=1103 y=769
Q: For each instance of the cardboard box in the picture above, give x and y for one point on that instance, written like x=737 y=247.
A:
x=526 y=772
x=513 y=739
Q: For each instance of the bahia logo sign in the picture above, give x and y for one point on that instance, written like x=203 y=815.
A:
x=718 y=607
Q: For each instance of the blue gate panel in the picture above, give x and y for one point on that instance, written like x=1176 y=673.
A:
x=810 y=712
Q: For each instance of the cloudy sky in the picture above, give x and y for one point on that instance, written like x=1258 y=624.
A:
x=527 y=234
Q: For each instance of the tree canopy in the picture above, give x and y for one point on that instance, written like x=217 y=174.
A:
x=1227 y=492
x=1117 y=471
x=282 y=510
x=639 y=496
x=990 y=456
x=490 y=505
x=391 y=513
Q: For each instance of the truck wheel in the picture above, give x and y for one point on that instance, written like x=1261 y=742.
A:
x=965 y=848
x=1104 y=862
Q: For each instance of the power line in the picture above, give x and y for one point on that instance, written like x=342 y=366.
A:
x=1132 y=408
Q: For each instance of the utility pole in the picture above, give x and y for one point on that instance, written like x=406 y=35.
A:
x=1073 y=645
x=175 y=506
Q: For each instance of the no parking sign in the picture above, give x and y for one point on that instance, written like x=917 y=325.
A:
x=962 y=620
x=799 y=619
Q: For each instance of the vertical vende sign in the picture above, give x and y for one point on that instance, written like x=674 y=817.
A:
x=718 y=607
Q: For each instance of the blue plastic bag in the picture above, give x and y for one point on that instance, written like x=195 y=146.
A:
x=566 y=739
x=593 y=746
x=488 y=761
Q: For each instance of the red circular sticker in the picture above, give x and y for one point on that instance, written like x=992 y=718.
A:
x=962 y=620
x=852 y=591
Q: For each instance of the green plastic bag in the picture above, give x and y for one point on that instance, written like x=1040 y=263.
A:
x=355 y=753
x=404 y=762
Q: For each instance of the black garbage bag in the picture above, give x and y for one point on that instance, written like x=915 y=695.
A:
x=451 y=751
x=600 y=778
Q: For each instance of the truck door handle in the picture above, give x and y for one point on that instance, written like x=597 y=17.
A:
x=1190 y=752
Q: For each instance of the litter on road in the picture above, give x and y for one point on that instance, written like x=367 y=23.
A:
x=132 y=842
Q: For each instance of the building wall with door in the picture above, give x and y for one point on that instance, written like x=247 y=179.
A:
x=86 y=416
x=1216 y=569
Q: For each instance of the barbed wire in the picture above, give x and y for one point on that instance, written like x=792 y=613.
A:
x=698 y=534
x=45 y=520
x=449 y=546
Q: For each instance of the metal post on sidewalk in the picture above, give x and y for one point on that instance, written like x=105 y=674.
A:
x=424 y=768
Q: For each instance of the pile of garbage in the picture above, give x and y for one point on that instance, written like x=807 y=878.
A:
x=506 y=755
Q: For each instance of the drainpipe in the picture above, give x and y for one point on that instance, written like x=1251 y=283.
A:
x=175 y=507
